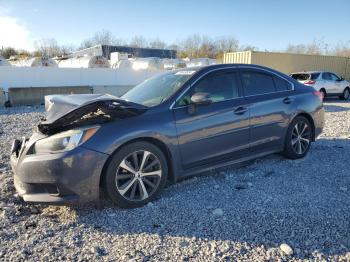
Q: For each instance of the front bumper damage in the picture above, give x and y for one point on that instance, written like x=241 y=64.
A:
x=59 y=178
x=72 y=175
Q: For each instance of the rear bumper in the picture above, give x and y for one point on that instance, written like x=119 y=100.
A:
x=62 y=178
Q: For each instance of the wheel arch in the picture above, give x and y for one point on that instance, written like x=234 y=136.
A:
x=160 y=144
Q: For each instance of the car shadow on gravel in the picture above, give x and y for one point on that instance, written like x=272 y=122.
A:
x=329 y=105
x=335 y=108
x=304 y=203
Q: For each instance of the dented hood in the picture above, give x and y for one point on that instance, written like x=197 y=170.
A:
x=67 y=111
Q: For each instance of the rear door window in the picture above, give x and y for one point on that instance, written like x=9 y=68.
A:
x=314 y=76
x=281 y=84
x=257 y=83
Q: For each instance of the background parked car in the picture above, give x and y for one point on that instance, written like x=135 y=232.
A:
x=328 y=83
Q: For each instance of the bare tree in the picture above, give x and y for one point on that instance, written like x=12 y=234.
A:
x=190 y=46
x=157 y=43
x=208 y=48
x=67 y=49
x=138 y=41
x=173 y=47
x=47 y=47
x=342 y=49
x=204 y=46
x=23 y=53
x=248 y=48
x=8 y=52
x=103 y=37
x=227 y=44
x=317 y=47
x=86 y=43
x=224 y=45
x=296 y=49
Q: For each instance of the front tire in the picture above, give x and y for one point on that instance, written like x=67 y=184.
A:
x=136 y=175
x=346 y=94
x=298 y=138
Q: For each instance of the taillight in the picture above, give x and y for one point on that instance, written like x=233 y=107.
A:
x=310 y=82
x=319 y=95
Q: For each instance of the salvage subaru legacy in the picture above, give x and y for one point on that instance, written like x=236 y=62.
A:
x=176 y=124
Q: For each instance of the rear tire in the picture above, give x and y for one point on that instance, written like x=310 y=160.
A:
x=136 y=175
x=7 y=104
x=324 y=93
x=346 y=94
x=298 y=138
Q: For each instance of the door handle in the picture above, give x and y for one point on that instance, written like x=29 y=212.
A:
x=240 y=110
x=287 y=100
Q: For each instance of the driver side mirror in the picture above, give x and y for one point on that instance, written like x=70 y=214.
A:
x=341 y=78
x=201 y=99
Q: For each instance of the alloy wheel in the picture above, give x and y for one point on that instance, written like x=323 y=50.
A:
x=138 y=175
x=301 y=137
x=346 y=94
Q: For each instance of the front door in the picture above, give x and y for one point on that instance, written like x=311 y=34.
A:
x=329 y=83
x=337 y=84
x=215 y=132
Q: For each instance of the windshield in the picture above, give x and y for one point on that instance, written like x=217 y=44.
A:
x=157 y=89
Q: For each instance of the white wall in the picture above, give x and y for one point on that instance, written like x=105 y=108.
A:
x=54 y=77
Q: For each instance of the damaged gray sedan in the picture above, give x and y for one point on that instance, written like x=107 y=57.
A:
x=176 y=124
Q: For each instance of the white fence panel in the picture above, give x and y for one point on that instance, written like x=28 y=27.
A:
x=55 y=77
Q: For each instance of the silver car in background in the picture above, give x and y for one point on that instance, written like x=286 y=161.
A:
x=326 y=82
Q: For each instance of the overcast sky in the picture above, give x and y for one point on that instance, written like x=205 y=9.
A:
x=269 y=24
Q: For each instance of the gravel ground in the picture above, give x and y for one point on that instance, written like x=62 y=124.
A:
x=271 y=210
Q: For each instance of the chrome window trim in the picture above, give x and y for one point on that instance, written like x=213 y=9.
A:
x=271 y=72
x=235 y=98
x=233 y=67
x=270 y=93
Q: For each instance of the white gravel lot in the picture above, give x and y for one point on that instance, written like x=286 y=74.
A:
x=271 y=210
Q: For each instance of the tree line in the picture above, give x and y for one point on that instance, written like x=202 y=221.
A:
x=193 y=46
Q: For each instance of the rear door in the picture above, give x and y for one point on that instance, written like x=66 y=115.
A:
x=271 y=102
x=215 y=132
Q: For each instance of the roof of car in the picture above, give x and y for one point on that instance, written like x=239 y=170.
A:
x=198 y=68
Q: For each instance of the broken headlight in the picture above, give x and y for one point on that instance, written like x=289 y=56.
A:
x=64 y=141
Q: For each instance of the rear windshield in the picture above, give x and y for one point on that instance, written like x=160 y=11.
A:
x=302 y=77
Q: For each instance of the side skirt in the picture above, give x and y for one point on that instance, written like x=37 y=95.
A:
x=233 y=163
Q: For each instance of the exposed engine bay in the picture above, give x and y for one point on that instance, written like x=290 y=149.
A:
x=64 y=112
